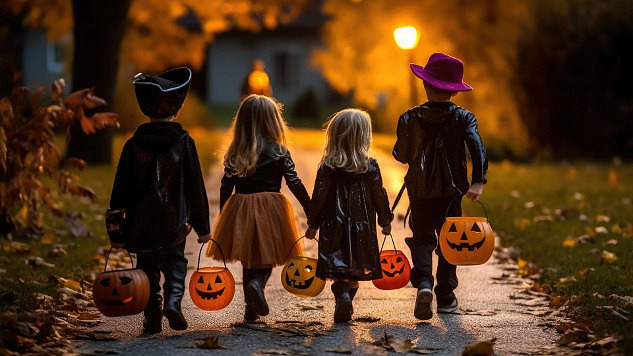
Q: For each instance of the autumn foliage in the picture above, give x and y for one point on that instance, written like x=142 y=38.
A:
x=28 y=152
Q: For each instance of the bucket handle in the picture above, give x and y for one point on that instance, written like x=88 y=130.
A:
x=219 y=248
x=459 y=196
x=105 y=268
x=392 y=241
x=294 y=244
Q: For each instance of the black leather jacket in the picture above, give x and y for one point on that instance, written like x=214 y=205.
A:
x=344 y=207
x=159 y=183
x=431 y=140
x=272 y=165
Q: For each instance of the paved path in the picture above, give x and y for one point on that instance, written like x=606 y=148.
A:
x=515 y=329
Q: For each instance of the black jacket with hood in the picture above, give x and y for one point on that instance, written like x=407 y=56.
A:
x=159 y=183
x=431 y=140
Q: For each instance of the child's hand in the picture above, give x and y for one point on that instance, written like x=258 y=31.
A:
x=475 y=191
x=386 y=230
x=311 y=233
x=204 y=239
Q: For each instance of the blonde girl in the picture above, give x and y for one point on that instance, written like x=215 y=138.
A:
x=256 y=224
x=348 y=195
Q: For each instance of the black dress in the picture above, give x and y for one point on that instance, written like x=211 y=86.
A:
x=344 y=206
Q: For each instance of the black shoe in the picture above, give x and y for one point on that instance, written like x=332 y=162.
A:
x=250 y=315
x=447 y=305
x=174 y=315
x=153 y=325
x=423 y=301
x=352 y=294
x=254 y=295
x=343 y=308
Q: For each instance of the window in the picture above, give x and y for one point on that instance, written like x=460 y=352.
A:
x=55 y=57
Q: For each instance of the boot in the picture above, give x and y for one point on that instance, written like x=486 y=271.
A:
x=152 y=323
x=173 y=313
x=175 y=272
x=343 y=308
x=352 y=294
x=250 y=315
x=254 y=284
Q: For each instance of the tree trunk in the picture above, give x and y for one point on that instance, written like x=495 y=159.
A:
x=98 y=29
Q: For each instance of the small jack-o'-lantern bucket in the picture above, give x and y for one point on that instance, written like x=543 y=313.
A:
x=299 y=275
x=395 y=267
x=212 y=288
x=121 y=292
x=466 y=240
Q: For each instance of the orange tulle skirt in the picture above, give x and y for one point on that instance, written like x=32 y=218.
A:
x=256 y=229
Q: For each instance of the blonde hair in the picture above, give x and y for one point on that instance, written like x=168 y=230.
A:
x=258 y=121
x=347 y=140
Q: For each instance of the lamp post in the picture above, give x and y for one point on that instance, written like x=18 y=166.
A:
x=407 y=39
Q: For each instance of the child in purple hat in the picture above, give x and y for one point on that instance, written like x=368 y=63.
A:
x=431 y=140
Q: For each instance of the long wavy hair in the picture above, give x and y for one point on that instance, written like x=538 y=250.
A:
x=347 y=140
x=258 y=121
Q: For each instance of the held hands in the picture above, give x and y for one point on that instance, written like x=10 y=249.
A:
x=474 y=193
x=204 y=238
x=386 y=230
x=311 y=233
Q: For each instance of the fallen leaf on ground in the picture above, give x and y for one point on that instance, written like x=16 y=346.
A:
x=572 y=336
x=612 y=242
x=603 y=219
x=70 y=283
x=480 y=348
x=47 y=239
x=601 y=230
x=210 y=343
x=585 y=271
x=608 y=257
x=339 y=350
x=279 y=352
x=569 y=243
x=625 y=299
x=367 y=319
x=585 y=239
x=306 y=307
x=402 y=346
x=475 y=312
x=57 y=252
x=36 y=262
x=76 y=225
x=17 y=247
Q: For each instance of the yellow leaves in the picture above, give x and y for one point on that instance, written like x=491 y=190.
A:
x=70 y=283
x=47 y=239
x=15 y=247
x=572 y=173
x=613 y=179
x=522 y=223
x=608 y=257
x=569 y=243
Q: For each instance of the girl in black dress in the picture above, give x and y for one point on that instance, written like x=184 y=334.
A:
x=348 y=194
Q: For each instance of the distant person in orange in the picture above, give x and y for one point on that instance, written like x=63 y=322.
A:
x=257 y=81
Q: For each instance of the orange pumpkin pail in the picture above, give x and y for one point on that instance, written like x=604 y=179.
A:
x=121 y=292
x=299 y=275
x=466 y=240
x=211 y=288
x=395 y=267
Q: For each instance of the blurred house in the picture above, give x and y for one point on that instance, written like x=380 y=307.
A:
x=285 y=52
x=44 y=61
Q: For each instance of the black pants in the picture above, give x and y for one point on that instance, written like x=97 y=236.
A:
x=427 y=218
x=173 y=264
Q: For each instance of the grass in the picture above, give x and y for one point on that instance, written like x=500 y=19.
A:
x=593 y=199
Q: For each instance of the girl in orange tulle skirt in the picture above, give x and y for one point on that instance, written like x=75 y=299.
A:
x=256 y=225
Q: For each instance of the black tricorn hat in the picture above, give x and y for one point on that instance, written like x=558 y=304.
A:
x=162 y=96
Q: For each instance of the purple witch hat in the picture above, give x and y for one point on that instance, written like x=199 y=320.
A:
x=442 y=71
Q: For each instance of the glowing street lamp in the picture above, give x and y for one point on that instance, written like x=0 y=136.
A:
x=407 y=39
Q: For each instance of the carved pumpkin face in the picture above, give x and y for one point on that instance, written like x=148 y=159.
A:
x=212 y=288
x=119 y=293
x=396 y=270
x=466 y=240
x=299 y=277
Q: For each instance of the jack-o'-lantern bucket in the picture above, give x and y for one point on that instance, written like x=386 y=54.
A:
x=121 y=292
x=395 y=267
x=299 y=275
x=211 y=288
x=466 y=240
